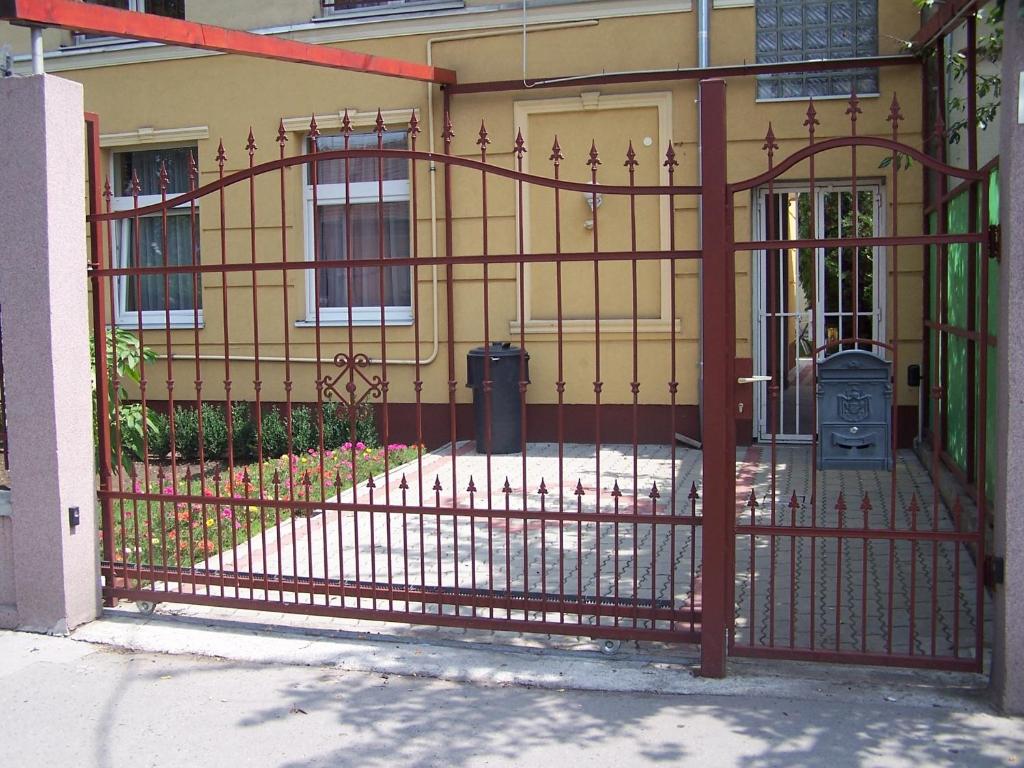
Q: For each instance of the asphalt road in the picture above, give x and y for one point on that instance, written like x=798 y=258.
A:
x=68 y=703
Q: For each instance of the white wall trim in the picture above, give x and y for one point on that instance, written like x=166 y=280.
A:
x=589 y=101
x=332 y=120
x=733 y=4
x=150 y=135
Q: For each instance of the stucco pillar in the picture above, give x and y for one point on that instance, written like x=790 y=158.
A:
x=1008 y=640
x=44 y=309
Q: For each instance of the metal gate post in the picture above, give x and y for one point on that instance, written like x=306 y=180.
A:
x=719 y=428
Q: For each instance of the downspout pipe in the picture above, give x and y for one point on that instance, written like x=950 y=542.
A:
x=703 y=36
x=703 y=61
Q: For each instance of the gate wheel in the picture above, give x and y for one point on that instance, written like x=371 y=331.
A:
x=146 y=608
x=610 y=647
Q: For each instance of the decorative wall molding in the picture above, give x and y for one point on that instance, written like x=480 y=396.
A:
x=332 y=120
x=150 y=135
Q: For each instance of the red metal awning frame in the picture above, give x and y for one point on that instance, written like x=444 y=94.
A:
x=947 y=16
x=101 y=20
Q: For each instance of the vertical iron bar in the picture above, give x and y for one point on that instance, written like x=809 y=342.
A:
x=282 y=138
x=631 y=163
x=719 y=376
x=92 y=128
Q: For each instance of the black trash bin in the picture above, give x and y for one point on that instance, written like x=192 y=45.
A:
x=503 y=370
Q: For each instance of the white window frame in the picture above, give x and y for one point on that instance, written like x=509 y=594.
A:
x=359 y=193
x=387 y=10
x=122 y=247
x=77 y=39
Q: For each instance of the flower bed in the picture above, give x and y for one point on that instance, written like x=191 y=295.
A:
x=181 y=530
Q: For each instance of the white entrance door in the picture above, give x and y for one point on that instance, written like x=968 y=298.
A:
x=805 y=297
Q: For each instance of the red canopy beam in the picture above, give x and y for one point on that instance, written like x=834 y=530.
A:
x=947 y=16
x=101 y=20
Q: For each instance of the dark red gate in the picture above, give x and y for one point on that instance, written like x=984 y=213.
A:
x=835 y=563
x=299 y=443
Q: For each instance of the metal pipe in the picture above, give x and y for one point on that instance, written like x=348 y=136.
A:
x=37 y=51
x=703 y=38
x=686 y=73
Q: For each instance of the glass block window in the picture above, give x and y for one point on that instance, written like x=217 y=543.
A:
x=805 y=30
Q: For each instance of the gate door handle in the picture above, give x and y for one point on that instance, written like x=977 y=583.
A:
x=752 y=379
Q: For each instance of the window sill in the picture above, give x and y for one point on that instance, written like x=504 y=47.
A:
x=132 y=324
x=803 y=99
x=370 y=14
x=356 y=322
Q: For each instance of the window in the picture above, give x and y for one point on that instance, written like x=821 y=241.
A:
x=352 y=219
x=335 y=7
x=145 y=248
x=807 y=30
x=174 y=9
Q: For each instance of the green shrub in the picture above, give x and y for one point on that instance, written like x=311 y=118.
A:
x=243 y=431
x=304 y=429
x=335 y=426
x=215 y=432
x=275 y=435
x=366 y=426
x=186 y=433
x=158 y=435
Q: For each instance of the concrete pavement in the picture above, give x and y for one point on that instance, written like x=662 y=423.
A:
x=68 y=702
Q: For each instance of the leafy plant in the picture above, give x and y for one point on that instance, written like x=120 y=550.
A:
x=275 y=435
x=215 y=432
x=990 y=49
x=186 y=433
x=130 y=431
x=304 y=429
x=243 y=432
x=159 y=435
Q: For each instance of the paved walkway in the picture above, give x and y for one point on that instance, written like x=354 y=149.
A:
x=827 y=592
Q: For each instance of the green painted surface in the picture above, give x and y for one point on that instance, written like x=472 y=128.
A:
x=956 y=307
x=992 y=390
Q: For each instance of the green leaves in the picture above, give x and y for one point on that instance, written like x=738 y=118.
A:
x=903 y=162
x=125 y=360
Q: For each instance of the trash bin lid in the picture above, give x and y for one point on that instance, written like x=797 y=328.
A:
x=497 y=349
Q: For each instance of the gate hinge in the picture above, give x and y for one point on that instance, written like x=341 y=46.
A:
x=995 y=242
x=995 y=571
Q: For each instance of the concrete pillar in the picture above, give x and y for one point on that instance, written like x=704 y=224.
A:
x=1008 y=642
x=44 y=309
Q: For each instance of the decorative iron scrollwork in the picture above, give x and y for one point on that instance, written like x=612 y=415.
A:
x=352 y=368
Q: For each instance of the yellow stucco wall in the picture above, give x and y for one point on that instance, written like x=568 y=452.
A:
x=228 y=94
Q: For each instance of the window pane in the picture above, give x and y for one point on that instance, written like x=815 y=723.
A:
x=365 y=286
x=175 y=9
x=802 y=30
x=151 y=254
x=333 y=171
x=146 y=164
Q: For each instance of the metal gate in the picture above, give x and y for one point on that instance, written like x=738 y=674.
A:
x=299 y=443
x=851 y=563
x=276 y=433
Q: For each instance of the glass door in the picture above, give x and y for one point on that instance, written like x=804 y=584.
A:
x=808 y=298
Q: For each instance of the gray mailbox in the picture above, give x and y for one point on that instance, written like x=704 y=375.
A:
x=854 y=411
